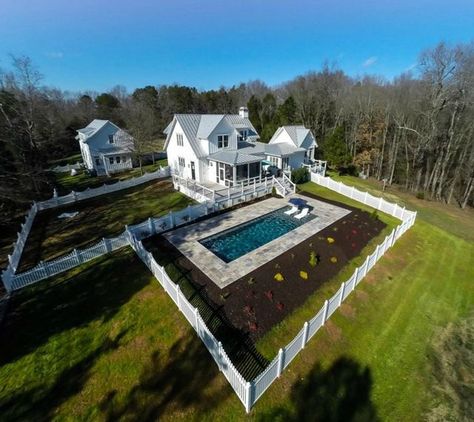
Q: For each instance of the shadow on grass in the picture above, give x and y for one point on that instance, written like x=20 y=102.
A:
x=70 y=301
x=238 y=345
x=40 y=403
x=178 y=380
x=339 y=394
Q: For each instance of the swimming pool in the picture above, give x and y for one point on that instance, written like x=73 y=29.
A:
x=237 y=241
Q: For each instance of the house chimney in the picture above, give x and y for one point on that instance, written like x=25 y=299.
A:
x=244 y=112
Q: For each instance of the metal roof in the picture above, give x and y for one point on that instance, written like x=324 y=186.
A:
x=298 y=134
x=93 y=127
x=200 y=126
x=281 y=149
x=234 y=157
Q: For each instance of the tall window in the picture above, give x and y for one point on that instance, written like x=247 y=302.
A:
x=111 y=139
x=181 y=162
x=242 y=135
x=223 y=141
x=179 y=139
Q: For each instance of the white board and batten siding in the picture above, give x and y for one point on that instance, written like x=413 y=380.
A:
x=185 y=152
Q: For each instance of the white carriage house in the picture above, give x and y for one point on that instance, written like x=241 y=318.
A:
x=105 y=147
x=224 y=149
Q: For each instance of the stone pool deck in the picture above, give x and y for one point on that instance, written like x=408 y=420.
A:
x=186 y=239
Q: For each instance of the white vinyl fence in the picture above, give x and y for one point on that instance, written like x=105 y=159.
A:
x=67 y=168
x=238 y=383
x=77 y=257
x=73 y=196
x=250 y=392
x=15 y=257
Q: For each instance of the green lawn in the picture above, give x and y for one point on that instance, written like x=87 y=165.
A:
x=102 y=216
x=65 y=183
x=105 y=343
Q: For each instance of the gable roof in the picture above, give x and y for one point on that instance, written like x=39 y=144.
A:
x=94 y=127
x=200 y=126
x=297 y=134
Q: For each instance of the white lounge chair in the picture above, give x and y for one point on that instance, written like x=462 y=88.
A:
x=303 y=213
x=292 y=210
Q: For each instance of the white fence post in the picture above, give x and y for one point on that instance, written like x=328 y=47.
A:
x=108 y=246
x=305 y=334
x=356 y=274
x=151 y=226
x=78 y=256
x=281 y=358
x=343 y=286
x=325 y=313
x=248 y=396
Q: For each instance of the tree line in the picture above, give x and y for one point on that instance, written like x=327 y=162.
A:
x=416 y=130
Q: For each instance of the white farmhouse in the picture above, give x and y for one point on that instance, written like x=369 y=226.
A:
x=223 y=148
x=105 y=147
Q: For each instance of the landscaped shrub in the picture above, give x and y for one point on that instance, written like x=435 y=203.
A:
x=251 y=280
x=269 y=295
x=279 y=277
x=420 y=195
x=313 y=259
x=304 y=275
x=300 y=175
x=374 y=215
x=333 y=259
x=280 y=306
x=330 y=240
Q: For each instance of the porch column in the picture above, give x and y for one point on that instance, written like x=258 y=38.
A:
x=248 y=171
x=260 y=171
x=234 y=175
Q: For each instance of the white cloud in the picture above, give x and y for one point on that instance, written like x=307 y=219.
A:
x=370 y=61
x=55 y=54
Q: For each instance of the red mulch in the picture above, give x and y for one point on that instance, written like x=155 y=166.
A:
x=256 y=302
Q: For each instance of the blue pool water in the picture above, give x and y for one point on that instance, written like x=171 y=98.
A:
x=235 y=242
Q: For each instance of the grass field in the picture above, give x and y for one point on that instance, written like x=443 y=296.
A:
x=107 y=344
x=66 y=183
x=102 y=216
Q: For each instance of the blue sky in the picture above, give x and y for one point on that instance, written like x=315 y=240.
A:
x=96 y=44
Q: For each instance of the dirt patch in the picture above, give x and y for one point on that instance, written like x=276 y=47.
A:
x=347 y=310
x=256 y=302
x=362 y=295
x=334 y=332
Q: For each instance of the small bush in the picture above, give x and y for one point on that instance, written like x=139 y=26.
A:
x=251 y=280
x=330 y=240
x=420 y=195
x=274 y=191
x=374 y=215
x=279 y=277
x=280 y=306
x=313 y=259
x=333 y=259
x=269 y=295
x=304 y=275
x=300 y=175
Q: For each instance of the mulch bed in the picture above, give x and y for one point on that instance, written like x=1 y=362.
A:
x=258 y=301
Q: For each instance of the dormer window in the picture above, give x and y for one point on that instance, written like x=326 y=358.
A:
x=242 y=135
x=179 y=139
x=111 y=139
x=222 y=141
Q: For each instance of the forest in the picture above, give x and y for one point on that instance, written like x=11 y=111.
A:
x=415 y=131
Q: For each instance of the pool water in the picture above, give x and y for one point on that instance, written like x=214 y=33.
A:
x=233 y=243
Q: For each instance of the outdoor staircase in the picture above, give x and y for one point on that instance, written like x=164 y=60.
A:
x=284 y=186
